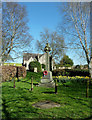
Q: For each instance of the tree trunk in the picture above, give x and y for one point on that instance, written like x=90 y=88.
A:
x=90 y=67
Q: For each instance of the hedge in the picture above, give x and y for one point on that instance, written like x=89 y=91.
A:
x=36 y=76
x=34 y=64
x=21 y=70
x=44 y=66
x=70 y=72
x=9 y=72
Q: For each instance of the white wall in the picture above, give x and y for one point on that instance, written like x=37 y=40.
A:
x=27 y=63
x=42 y=60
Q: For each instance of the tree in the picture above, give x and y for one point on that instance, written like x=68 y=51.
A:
x=15 y=31
x=90 y=64
x=56 y=42
x=43 y=66
x=78 y=67
x=77 y=17
x=34 y=64
x=66 y=61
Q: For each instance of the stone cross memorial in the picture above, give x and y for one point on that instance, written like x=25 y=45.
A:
x=47 y=80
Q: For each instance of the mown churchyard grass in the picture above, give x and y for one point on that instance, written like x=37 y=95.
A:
x=17 y=102
x=16 y=64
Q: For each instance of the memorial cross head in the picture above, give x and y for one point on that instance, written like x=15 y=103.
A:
x=47 y=48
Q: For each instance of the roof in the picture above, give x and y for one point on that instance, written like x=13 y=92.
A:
x=27 y=56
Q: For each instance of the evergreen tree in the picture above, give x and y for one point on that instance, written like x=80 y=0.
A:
x=66 y=61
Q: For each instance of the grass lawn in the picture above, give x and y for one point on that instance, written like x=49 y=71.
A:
x=17 y=103
x=16 y=64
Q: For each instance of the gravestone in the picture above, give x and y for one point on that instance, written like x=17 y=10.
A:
x=47 y=80
x=42 y=69
x=54 y=67
x=35 y=69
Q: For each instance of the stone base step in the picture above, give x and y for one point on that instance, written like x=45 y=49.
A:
x=50 y=84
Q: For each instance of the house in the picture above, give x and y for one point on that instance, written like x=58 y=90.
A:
x=41 y=58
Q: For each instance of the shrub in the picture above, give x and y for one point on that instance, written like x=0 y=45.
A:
x=9 y=72
x=76 y=79
x=66 y=61
x=70 y=72
x=58 y=72
x=77 y=67
x=78 y=72
x=43 y=66
x=67 y=65
x=36 y=76
x=21 y=71
x=34 y=64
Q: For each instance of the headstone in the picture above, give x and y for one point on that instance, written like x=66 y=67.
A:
x=47 y=80
x=69 y=67
x=59 y=67
x=35 y=69
x=42 y=69
x=62 y=68
x=54 y=67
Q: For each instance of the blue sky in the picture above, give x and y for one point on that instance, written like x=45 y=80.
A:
x=42 y=15
x=45 y=15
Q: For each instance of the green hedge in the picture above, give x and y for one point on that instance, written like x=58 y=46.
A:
x=34 y=64
x=36 y=76
x=44 y=66
x=9 y=72
x=70 y=72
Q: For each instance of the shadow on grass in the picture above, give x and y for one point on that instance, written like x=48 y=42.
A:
x=35 y=83
x=67 y=118
x=19 y=114
x=89 y=118
x=7 y=114
x=49 y=92
x=26 y=81
x=81 y=101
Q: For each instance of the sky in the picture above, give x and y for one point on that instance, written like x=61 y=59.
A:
x=44 y=15
x=45 y=0
x=41 y=16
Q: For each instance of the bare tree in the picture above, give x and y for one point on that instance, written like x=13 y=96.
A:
x=56 y=42
x=77 y=23
x=15 y=31
x=90 y=65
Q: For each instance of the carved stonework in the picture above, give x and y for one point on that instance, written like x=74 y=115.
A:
x=47 y=49
x=47 y=80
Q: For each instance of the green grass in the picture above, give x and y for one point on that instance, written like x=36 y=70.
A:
x=16 y=64
x=17 y=103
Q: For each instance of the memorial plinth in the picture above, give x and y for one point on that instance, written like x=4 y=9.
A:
x=47 y=80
